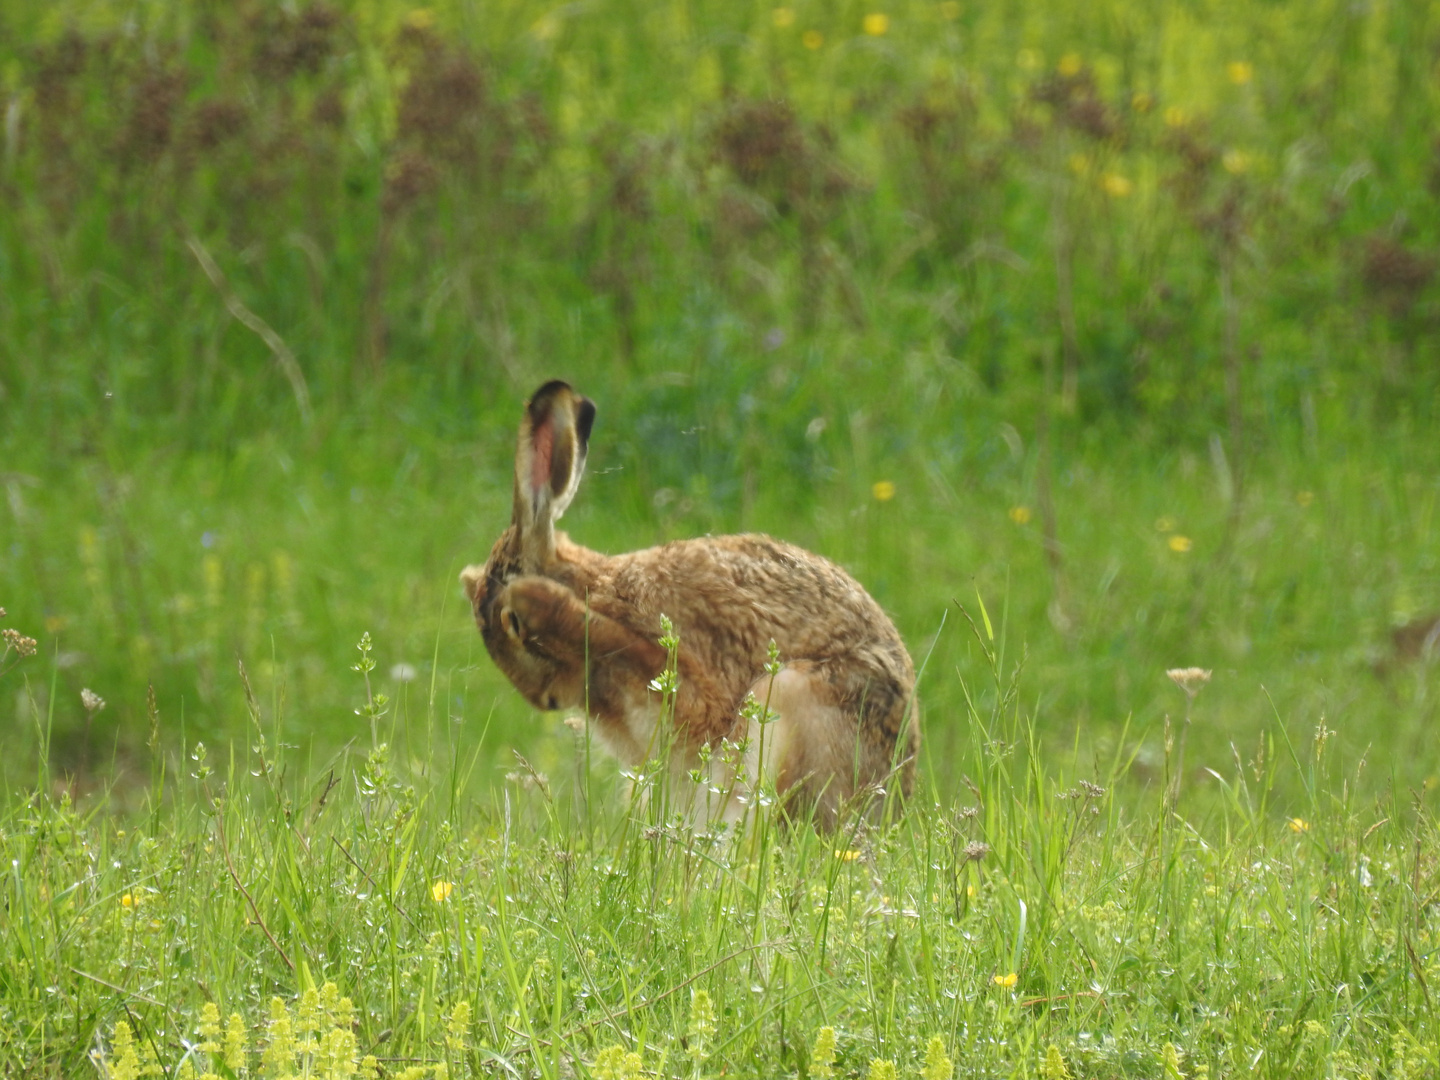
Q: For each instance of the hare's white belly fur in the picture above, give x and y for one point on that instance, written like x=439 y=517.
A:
x=797 y=741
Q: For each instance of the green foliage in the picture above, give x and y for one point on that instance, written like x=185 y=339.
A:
x=343 y=932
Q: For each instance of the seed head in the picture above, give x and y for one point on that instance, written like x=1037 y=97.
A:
x=1191 y=679
x=92 y=701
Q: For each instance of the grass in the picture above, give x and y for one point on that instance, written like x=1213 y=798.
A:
x=1044 y=913
x=1115 y=326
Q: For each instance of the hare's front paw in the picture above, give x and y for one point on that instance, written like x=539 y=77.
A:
x=538 y=609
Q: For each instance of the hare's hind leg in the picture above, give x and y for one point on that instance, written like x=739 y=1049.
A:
x=808 y=747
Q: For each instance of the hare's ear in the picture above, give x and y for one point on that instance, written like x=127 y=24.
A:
x=549 y=458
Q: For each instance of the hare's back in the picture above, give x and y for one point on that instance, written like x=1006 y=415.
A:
x=736 y=594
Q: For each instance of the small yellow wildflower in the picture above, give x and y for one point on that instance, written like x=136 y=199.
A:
x=1240 y=72
x=883 y=490
x=847 y=856
x=703 y=1024
x=1116 y=186
x=938 y=1065
x=1142 y=102
x=950 y=10
x=1235 y=162
x=279 y=1053
x=812 y=39
x=1053 y=1067
x=128 y=901
x=783 y=18
x=1020 y=515
x=1175 y=116
x=880 y=1069
x=459 y=1027
x=1070 y=64
x=822 y=1057
x=876 y=24
x=970 y=892
x=614 y=1063
x=209 y=1028
x=1006 y=981
x=441 y=890
x=235 y=1050
x=124 y=1060
x=1298 y=825
x=1305 y=498
x=1180 y=544
x=1170 y=1062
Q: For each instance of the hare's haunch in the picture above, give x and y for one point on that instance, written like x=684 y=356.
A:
x=574 y=629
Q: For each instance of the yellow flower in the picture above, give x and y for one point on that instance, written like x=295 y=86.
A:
x=876 y=24
x=1175 y=116
x=970 y=892
x=1180 y=544
x=1054 y=1065
x=783 y=17
x=822 y=1058
x=938 y=1065
x=128 y=901
x=950 y=10
x=880 y=1069
x=441 y=890
x=812 y=39
x=1070 y=64
x=883 y=490
x=1239 y=72
x=1299 y=825
x=1006 y=981
x=1020 y=515
x=1235 y=161
x=1116 y=186
x=847 y=856
x=1305 y=498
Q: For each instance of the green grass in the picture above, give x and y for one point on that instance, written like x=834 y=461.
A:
x=1248 y=933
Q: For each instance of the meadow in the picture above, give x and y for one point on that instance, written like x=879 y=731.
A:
x=1097 y=341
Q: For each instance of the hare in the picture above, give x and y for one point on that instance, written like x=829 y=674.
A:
x=573 y=629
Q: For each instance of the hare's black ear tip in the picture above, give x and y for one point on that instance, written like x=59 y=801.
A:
x=584 y=417
x=549 y=392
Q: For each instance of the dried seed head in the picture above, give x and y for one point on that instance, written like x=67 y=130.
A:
x=92 y=701
x=1190 y=679
x=24 y=646
x=976 y=850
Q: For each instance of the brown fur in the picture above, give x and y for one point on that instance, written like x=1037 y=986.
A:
x=574 y=629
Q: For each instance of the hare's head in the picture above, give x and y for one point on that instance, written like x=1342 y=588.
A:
x=549 y=459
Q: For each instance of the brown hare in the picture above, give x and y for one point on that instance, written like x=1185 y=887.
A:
x=577 y=630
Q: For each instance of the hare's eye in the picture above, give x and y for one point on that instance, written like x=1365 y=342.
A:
x=512 y=622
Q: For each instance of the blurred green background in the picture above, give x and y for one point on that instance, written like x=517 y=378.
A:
x=1121 y=315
